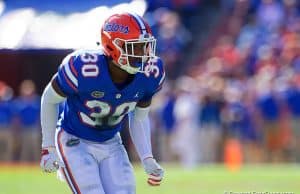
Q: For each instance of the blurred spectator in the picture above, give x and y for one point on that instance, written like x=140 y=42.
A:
x=269 y=110
x=228 y=54
x=291 y=13
x=210 y=131
x=292 y=96
x=238 y=121
x=28 y=112
x=168 y=121
x=172 y=36
x=184 y=143
x=270 y=15
x=6 y=118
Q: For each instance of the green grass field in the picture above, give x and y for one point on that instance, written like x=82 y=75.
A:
x=203 y=180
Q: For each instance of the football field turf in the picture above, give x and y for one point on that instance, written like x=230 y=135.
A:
x=275 y=179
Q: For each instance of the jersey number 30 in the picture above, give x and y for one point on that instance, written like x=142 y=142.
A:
x=103 y=114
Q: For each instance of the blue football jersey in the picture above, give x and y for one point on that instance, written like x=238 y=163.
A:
x=95 y=108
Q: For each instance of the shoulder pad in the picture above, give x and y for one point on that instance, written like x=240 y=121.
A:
x=72 y=67
x=75 y=60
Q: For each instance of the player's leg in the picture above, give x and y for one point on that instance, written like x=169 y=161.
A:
x=25 y=145
x=81 y=168
x=6 y=144
x=117 y=173
x=36 y=139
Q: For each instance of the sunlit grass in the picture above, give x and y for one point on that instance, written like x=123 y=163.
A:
x=203 y=180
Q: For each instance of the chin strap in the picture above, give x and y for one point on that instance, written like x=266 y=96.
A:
x=129 y=69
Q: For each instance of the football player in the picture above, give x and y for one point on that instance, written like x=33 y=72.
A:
x=100 y=88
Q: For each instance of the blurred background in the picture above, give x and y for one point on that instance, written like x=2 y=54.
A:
x=232 y=94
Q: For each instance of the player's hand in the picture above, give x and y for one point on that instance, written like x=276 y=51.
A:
x=49 y=160
x=154 y=170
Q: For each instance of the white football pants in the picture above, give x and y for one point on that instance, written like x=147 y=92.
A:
x=95 y=168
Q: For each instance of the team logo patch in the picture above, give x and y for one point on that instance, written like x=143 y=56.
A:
x=113 y=27
x=97 y=94
x=72 y=142
x=118 y=96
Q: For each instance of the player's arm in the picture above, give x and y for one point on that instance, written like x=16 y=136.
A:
x=64 y=83
x=141 y=136
x=51 y=97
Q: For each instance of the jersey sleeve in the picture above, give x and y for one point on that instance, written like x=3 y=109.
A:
x=67 y=75
x=156 y=79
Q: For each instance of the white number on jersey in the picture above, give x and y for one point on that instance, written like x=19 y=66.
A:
x=89 y=58
x=152 y=69
x=90 y=68
x=96 y=118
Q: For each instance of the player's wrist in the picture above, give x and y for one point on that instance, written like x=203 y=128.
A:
x=146 y=157
x=48 y=143
x=48 y=148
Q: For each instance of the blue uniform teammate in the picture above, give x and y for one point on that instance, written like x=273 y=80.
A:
x=100 y=88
